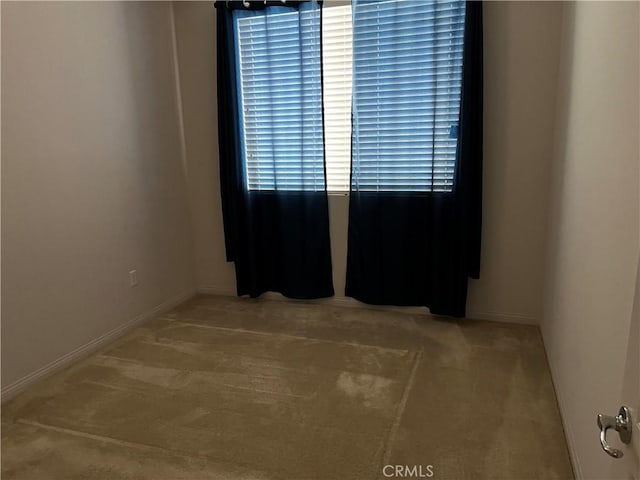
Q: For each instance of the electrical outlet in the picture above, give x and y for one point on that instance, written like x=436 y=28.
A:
x=133 y=278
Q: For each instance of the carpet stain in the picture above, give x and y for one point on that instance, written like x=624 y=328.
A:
x=371 y=390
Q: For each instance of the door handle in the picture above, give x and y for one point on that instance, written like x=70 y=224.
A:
x=621 y=423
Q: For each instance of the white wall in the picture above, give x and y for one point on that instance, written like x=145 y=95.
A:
x=196 y=42
x=92 y=183
x=594 y=234
x=521 y=63
x=521 y=48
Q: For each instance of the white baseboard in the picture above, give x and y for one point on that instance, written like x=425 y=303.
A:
x=216 y=290
x=502 y=317
x=19 y=385
x=560 y=396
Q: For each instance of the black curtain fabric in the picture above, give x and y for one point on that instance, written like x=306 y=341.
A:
x=278 y=240
x=418 y=249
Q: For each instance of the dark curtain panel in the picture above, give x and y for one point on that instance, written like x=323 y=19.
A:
x=416 y=188
x=271 y=146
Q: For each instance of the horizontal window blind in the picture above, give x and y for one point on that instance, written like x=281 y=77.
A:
x=407 y=86
x=337 y=67
x=281 y=95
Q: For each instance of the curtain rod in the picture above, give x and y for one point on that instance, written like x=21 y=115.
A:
x=247 y=4
x=257 y=4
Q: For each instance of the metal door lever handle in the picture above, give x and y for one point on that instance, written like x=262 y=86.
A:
x=621 y=423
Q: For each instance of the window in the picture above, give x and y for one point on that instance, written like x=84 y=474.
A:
x=407 y=83
x=403 y=64
x=337 y=67
x=281 y=95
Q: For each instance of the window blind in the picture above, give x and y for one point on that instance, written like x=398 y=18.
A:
x=281 y=96
x=337 y=67
x=407 y=86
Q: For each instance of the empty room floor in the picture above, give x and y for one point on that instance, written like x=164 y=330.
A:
x=228 y=388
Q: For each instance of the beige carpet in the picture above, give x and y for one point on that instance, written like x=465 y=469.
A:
x=225 y=388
